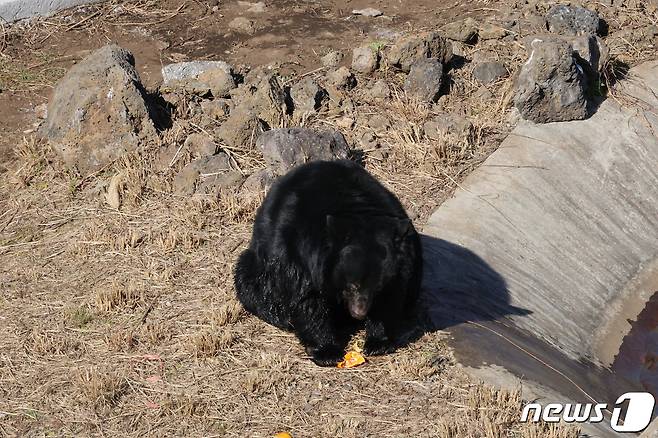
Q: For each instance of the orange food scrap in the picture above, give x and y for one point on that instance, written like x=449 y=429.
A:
x=283 y=435
x=352 y=359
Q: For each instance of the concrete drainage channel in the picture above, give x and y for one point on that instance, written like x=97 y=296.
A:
x=544 y=265
x=12 y=10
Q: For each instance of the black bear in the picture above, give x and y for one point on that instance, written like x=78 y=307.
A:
x=331 y=249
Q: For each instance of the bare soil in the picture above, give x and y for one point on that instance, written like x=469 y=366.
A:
x=123 y=322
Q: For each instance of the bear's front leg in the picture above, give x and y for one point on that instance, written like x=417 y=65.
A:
x=382 y=325
x=379 y=338
x=315 y=324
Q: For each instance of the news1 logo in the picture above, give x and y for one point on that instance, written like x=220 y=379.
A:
x=638 y=412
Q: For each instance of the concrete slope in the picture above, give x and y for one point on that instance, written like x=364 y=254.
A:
x=12 y=10
x=544 y=252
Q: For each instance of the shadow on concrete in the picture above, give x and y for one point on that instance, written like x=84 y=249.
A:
x=465 y=296
x=458 y=286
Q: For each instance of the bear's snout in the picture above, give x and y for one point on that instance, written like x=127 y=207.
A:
x=358 y=310
x=358 y=304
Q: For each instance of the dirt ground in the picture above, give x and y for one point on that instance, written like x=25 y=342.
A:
x=124 y=322
x=294 y=34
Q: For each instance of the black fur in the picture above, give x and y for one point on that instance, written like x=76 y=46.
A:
x=331 y=246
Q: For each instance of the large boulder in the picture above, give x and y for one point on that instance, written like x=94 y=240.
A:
x=98 y=111
x=406 y=51
x=424 y=80
x=332 y=59
x=306 y=97
x=241 y=129
x=572 y=20
x=262 y=95
x=551 y=86
x=200 y=77
x=591 y=51
x=463 y=31
x=286 y=148
x=341 y=79
x=206 y=175
x=489 y=71
x=365 y=59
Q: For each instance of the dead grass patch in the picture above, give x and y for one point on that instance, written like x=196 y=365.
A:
x=211 y=342
x=120 y=296
x=100 y=387
x=154 y=339
x=52 y=343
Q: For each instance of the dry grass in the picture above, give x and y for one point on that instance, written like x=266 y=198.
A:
x=123 y=321
x=28 y=64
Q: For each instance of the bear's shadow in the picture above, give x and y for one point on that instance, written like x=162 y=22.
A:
x=457 y=287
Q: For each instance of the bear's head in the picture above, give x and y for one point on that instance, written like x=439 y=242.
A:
x=366 y=253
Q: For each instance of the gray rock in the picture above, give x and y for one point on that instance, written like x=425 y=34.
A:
x=254 y=8
x=368 y=12
x=368 y=141
x=97 y=111
x=258 y=181
x=306 y=96
x=216 y=109
x=41 y=111
x=408 y=50
x=489 y=71
x=463 y=31
x=342 y=79
x=345 y=123
x=482 y=93
x=551 y=85
x=286 y=148
x=241 y=129
x=365 y=59
x=489 y=31
x=380 y=154
x=379 y=90
x=213 y=183
x=201 y=145
x=200 y=77
x=262 y=94
x=332 y=59
x=572 y=20
x=379 y=122
x=592 y=52
x=242 y=25
x=185 y=181
x=424 y=80
x=205 y=175
x=447 y=124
